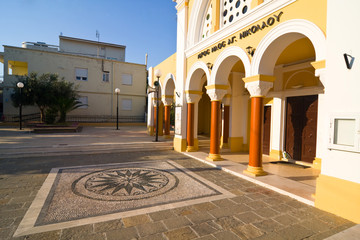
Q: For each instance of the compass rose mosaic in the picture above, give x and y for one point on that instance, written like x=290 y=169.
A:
x=124 y=184
x=74 y=196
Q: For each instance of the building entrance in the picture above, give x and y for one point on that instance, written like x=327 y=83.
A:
x=266 y=132
x=301 y=126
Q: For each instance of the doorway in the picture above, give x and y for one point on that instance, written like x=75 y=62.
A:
x=266 y=132
x=301 y=127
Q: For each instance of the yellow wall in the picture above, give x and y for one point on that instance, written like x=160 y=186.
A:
x=166 y=67
x=101 y=97
x=298 y=50
x=338 y=196
x=18 y=68
x=304 y=78
x=314 y=11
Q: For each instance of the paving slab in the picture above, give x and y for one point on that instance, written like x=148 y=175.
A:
x=249 y=211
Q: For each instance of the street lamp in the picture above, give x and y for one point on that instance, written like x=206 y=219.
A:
x=156 y=84
x=20 y=85
x=117 y=91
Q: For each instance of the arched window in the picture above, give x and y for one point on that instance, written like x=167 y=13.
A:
x=207 y=22
x=232 y=10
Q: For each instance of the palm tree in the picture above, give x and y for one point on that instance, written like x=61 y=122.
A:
x=65 y=99
x=65 y=105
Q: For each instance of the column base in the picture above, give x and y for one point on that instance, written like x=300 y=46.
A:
x=191 y=149
x=214 y=157
x=317 y=163
x=254 y=171
x=179 y=143
x=224 y=145
x=150 y=130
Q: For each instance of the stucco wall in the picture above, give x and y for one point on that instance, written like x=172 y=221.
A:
x=101 y=97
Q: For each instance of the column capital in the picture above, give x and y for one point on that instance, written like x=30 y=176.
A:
x=154 y=100
x=259 y=85
x=167 y=99
x=258 y=88
x=193 y=96
x=216 y=92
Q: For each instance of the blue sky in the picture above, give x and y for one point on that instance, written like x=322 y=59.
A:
x=143 y=26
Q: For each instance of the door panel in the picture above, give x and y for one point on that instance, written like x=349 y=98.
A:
x=266 y=132
x=301 y=126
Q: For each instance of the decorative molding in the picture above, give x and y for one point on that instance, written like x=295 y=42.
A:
x=263 y=78
x=258 y=88
x=217 y=86
x=296 y=28
x=216 y=94
x=319 y=64
x=193 y=92
x=199 y=65
x=228 y=52
x=256 y=14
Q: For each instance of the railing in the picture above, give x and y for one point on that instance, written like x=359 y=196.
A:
x=16 y=118
x=79 y=118
x=104 y=118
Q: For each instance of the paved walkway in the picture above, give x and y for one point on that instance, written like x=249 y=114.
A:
x=253 y=212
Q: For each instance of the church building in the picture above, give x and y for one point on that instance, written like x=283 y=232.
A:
x=268 y=77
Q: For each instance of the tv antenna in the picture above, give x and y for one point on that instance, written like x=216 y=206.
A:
x=98 y=35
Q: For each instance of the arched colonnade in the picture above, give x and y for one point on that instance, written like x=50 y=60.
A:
x=232 y=72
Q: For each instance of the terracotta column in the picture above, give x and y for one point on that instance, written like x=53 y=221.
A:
x=167 y=101
x=192 y=98
x=258 y=86
x=167 y=121
x=255 y=147
x=215 y=129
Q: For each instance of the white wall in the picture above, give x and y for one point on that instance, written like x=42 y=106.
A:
x=342 y=86
x=92 y=49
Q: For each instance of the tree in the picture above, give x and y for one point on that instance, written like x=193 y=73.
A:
x=66 y=99
x=47 y=92
x=37 y=91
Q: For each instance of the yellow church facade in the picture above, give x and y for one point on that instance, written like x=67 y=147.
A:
x=273 y=77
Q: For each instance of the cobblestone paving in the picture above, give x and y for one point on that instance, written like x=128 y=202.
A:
x=255 y=212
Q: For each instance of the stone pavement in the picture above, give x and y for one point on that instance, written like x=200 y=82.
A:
x=253 y=212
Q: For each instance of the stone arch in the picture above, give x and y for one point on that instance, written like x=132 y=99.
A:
x=222 y=66
x=293 y=79
x=169 y=84
x=196 y=72
x=279 y=38
x=195 y=22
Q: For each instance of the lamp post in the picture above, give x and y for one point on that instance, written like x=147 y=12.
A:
x=20 y=85
x=157 y=85
x=117 y=91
